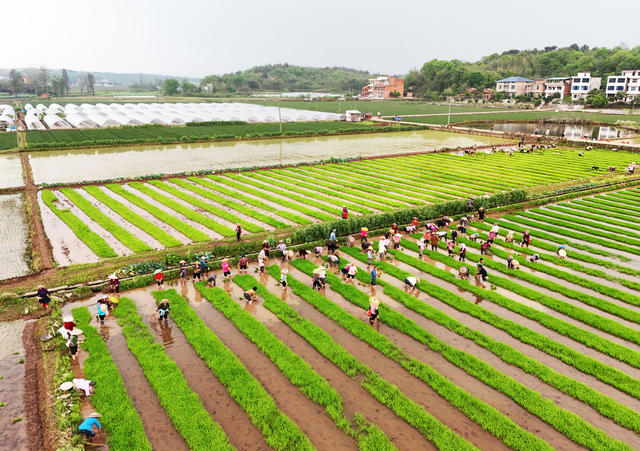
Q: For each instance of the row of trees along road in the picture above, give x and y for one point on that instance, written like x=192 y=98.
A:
x=43 y=82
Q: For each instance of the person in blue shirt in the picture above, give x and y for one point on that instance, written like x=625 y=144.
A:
x=101 y=311
x=374 y=276
x=90 y=426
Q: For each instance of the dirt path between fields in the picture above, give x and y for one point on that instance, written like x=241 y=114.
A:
x=40 y=245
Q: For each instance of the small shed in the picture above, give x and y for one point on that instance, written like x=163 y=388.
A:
x=352 y=116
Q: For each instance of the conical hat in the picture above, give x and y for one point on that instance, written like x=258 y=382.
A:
x=374 y=301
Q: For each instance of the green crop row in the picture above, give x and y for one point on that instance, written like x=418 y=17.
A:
x=167 y=218
x=279 y=431
x=581 y=362
x=482 y=413
x=296 y=369
x=565 y=262
x=606 y=406
x=543 y=223
x=595 y=320
x=309 y=187
x=604 y=203
x=624 y=236
x=264 y=191
x=181 y=404
x=138 y=221
x=570 y=208
x=122 y=235
x=250 y=200
x=386 y=393
x=119 y=417
x=189 y=213
x=230 y=203
x=94 y=241
x=560 y=237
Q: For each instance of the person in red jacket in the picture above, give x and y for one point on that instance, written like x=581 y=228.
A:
x=159 y=278
x=345 y=212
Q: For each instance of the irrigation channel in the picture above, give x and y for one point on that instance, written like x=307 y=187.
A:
x=544 y=356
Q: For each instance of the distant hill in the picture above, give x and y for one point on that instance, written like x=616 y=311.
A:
x=115 y=78
x=437 y=77
x=289 y=78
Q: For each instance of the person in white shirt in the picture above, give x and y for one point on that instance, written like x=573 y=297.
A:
x=410 y=283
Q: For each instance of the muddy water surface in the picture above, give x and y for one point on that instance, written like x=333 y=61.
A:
x=100 y=164
x=10 y=171
x=13 y=236
x=13 y=436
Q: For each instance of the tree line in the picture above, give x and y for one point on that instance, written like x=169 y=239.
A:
x=439 y=78
x=43 y=82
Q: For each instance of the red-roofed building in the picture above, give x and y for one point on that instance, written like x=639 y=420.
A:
x=382 y=88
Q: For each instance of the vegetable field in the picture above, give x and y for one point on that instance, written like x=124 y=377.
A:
x=122 y=219
x=545 y=356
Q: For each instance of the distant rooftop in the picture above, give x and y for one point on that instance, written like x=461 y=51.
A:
x=513 y=79
x=558 y=78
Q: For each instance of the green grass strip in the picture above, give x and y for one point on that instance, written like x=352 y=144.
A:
x=252 y=213
x=181 y=404
x=588 y=213
x=480 y=412
x=189 y=213
x=521 y=224
x=250 y=200
x=564 y=261
x=564 y=353
x=119 y=416
x=606 y=406
x=386 y=393
x=544 y=221
x=94 y=241
x=608 y=204
x=266 y=189
x=156 y=232
x=122 y=235
x=278 y=430
x=296 y=369
x=564 y=307
x=188 y=231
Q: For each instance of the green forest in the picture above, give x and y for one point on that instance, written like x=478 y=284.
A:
x=289 y=78
x=448 y=77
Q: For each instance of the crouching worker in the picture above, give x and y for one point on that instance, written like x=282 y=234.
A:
x=463 y=272
x=163 y=309
x=410 y=283
x=90 y=426
x=250 y=295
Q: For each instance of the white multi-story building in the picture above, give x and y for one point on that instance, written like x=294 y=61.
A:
x=557 y=85
x=582 y=83
x=627 y=82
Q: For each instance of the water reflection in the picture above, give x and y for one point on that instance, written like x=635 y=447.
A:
x=98 y=164
x=165 y=333
x=568 y=131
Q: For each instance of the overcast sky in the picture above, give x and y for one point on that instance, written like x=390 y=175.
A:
x=201 y=37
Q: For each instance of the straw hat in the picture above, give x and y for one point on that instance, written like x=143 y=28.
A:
x=76 y=331
x=462 y=245
x=374 y=301
x=113 y=276
x=182 y=262
x=94 y=415
x=365 y=229
x=284 y=271
x=317 y=270
x=40 y=286
x=67 y=319
x=562 y=253
x=66 y=386
x=157 y=271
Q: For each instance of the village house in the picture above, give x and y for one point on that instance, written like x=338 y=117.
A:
x=383 y=87
x=558 y=85
x=582 y=84
x=628 y=82
x=514 y=86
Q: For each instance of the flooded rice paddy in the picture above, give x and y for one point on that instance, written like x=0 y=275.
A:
x=73 y=166
x=13 y=236
x=547 y=129
x=10 y=171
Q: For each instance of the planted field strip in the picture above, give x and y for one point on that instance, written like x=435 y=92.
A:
x=136 y=220
x=576 y=210
x=581 y=362
x=94 y=241
x=383 y=391
x=300 y=373
x=401 y=300
x=566 y=422
x=187 y=212
x=483 y=414
x=119 y=416
x=279 y=431
x=14 y=231
x=247 y=212
x=163 y=216
x=197 y=428
x=310 y=188
x=590 y=210
x=296 y=219
x=269 y=189
x=124 y=236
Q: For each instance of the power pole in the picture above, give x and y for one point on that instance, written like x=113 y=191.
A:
x=279 y=117
x=449 y=115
